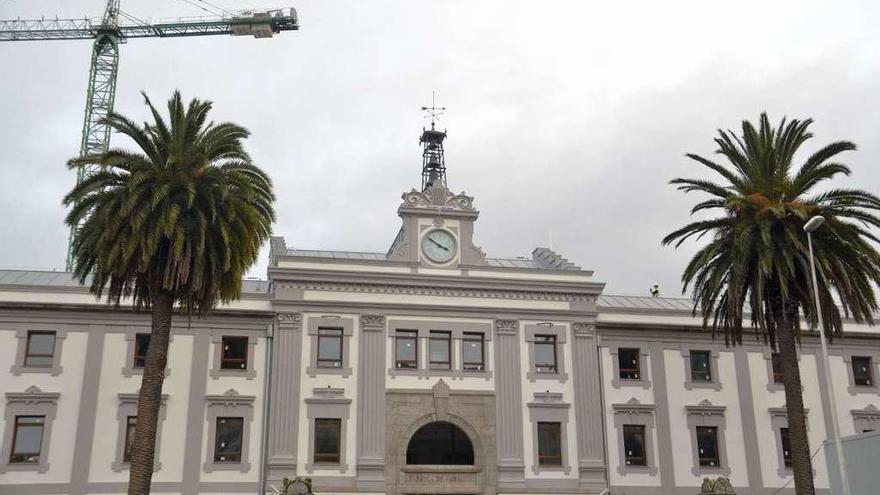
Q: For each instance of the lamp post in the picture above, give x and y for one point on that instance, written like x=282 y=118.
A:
x=813 y=224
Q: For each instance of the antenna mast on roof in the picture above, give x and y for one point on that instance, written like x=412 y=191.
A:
x=433 y=162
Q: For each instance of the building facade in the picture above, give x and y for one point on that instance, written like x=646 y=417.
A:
x=428 y=369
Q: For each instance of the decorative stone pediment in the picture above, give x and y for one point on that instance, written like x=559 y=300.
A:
x=705 y=408
x=230 y=398
x=32 y=395
x=633 y=406
x=870 y=413
x=437 y=197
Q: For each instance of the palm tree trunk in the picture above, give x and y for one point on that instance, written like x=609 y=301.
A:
x=149 y=400
x=802 y=465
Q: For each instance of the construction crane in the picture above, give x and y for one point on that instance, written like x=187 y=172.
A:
x=108 y=34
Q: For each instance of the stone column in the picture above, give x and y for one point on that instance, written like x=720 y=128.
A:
x=285 y=396
x=371 y=400
x=588 y=411
x=508 y=402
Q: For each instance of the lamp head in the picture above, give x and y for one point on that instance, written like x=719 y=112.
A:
x=814 y=223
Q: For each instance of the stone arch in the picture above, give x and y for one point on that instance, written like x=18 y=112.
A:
x=458 y=421
x=440 y=443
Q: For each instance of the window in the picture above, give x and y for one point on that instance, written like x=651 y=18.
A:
x=786 y=447
x=545 y=354
x=472 y=352
x=406 y=343
x=549 y=444
x=27 y=439
x=707 y=446
x=130 y=423
x=329 y=348
x=629 y=364
x=234 y=353
x=439 y=350
x=40 y=349
x=141 y=343
x=701 y=369
x=227 y=443
x=776 y=363
x=328 y=434
x=634 y=445
x=862 y=373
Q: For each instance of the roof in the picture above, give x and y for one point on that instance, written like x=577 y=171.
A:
x=44 y=278
x=542 y=258
x=612 y=301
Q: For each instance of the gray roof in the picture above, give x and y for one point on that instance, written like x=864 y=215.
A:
x=542 y=258
x=645 y=302
x=65 y=279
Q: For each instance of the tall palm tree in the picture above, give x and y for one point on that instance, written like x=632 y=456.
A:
x=177 y=222
x=756 y=252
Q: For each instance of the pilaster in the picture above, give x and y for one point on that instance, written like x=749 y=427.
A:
x=371 y=400
x=508 y=403
x=588 y=406
x=285 y=396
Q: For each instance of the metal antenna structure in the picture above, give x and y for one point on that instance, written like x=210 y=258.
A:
x=433 y=162
x=108 y=34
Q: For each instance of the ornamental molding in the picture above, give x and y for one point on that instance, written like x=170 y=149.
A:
x=437 y=197
x=230 y=398
x=782 y=412
x=290 y=318
x=633 y=407
x=705 y=408
x=583 y=329
x=870 y=413
x=373 y=320
x=425 y=290
x=507 y=326
x=32 y=395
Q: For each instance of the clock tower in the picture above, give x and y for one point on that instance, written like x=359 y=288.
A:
x=438 y=225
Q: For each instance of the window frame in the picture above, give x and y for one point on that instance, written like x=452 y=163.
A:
x=644 y=380
x=228 y=363
x=471 y=366
x=548 y=407
x=714 y=352
x=785 y=438
x=228 y=405
x=328 y=403
x=314 y=324
x=131 y=334
x=217 y=338
x=319 y=425
x=553 y=427
x=128 y=438
x=135 y=355
x=15 y=428
x=29 y=354
x=128 y=407
x=440 y=336
x=31 y=402
x=636 y=370
x=218 y=427
x=18 y=367
x=705 y=414
x=869 y=371
x=324 y=335
x=635 y=413
x=713 y=461
x=538 y=330
x=874 y=357
x=402 y=335
x=642 y=432
x=545 y=340
x=778 y=422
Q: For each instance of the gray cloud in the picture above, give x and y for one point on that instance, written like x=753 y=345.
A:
x=564 y=116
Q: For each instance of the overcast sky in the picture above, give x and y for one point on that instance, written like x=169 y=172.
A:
x=563 y=117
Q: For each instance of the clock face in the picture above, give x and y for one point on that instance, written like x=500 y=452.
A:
x=439 y=246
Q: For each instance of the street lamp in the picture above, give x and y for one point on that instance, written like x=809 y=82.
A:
x=811 y=225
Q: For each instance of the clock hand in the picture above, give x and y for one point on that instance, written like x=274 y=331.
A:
x=437 y=243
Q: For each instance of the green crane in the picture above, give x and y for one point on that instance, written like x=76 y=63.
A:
x=108 y=33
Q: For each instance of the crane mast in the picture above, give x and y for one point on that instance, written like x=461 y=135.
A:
x=108 y=34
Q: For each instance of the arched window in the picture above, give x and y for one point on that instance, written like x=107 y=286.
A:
x=440 y=443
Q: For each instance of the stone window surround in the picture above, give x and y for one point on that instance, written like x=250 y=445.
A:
x=313 y=324
x=131 y=333
x=635 y=413
x=217 y=350
x=645 y=380
x=327 y=403
x=852 y=388
x=457 y=329
x=779 y=420
x=128 y=407
x=21 y=334
x=714 y=354
x=772 y=386
x=31 y=402
x=559 y=331
x=547 y=407
x=229 y=405
x=866 y=419
x=706 y=414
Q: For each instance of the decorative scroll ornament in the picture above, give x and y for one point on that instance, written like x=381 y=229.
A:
x=584 y=329
x=373 y=320
x=506 y=325
x=437 y=196
x=290 y=318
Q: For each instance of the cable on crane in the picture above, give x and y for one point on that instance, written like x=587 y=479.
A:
x=201 y=8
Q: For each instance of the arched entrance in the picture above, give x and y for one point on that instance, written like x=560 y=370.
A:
x=438 y=443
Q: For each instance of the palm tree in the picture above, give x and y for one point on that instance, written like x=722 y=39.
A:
x=177 y=222
x=756 y=251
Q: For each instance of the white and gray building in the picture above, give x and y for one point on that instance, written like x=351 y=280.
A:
x=427 y=369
